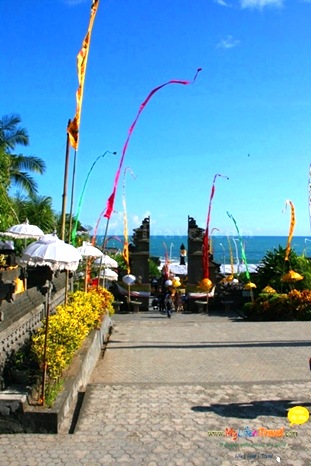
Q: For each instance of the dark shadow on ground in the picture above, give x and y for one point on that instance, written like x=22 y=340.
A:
x=182 y=345
x=252 y=409
x=163 y=316
x=76 y=412
x=229 y=317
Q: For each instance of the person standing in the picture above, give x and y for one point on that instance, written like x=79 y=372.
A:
x=168 y=303
x=178 y=302
x=161 y=299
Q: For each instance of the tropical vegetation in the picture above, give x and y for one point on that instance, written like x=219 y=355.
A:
x=16 y=169
x=283 y=288
x=18 y=166
x=296 y=305
x=274 y=266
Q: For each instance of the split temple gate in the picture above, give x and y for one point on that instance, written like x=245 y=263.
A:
x=139 y=254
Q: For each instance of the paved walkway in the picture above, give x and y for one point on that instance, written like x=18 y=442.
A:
x=167 y=389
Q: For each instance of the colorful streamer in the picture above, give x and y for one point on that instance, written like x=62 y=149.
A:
x=126 y=243
x=205 y=257
x=242 y=247
x=309 y=193
x=166 y=264
x=74 y=125
x=110 y=202
x=291 y=228
x=96 y=228
x=211 y=240
x=231 y=256
x=74 y=231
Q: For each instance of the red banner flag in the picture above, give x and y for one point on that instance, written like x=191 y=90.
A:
x=110 y=202
x=205 y=257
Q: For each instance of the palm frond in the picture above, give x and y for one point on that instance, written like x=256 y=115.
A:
x=11 y=134
x=28 y=162
x=25 y=182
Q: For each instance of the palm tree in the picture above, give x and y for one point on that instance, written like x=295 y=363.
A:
x=84 y=232
x=8 y=215
x=38 y=210
x=18 y=166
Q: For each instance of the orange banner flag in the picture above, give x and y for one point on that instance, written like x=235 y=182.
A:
x=74 y=125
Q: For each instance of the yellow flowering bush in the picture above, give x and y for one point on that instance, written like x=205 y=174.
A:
x=296 y=305
x=69 y=327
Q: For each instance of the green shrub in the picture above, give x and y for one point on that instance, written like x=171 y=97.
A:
x=273 y=266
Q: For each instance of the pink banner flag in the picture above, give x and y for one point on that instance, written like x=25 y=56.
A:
x=205 y=257
x=110 y=202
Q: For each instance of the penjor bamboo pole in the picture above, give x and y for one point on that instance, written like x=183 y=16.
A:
x=64 y=197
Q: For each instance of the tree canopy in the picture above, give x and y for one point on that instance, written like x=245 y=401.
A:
x=16 y=168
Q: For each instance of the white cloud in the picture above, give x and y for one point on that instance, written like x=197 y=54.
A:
x=261 y=3
x=74 y=2
x=136 y=221
x=228 y=43
x=221 y=2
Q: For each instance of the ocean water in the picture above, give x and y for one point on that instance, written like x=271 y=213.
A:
x=255 y=247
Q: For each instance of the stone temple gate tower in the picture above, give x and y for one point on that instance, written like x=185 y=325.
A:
x=195 y=255
x=139 y=249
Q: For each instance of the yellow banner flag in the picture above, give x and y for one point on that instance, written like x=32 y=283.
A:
x=126 y=253
x=291 y=228
x=74 y=125
x=126 y=243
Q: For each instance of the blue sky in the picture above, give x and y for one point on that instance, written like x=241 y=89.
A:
x=247 y=116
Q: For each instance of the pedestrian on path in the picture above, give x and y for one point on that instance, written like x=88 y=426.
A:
x=161 y=299
x=168 y=303
x=178 y=302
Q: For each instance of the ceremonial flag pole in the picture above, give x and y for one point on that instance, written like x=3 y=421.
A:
x=206 y=283
x=74 y=231
x=73 y=127
x=291 y=229
x=64 y=197
x=82 y=57
x=110 y=202
x=250 y=287
x=125 y=233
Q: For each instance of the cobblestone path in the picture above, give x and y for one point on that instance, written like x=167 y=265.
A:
x=166 y=390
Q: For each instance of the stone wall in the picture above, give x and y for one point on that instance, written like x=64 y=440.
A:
x=17 y=416
x=19 y=319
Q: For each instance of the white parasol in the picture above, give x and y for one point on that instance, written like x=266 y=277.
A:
x=24 y=230
x=106 y=261
x=109 y=274
x=51 y=251
x=88 y=250
x=129 y=279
